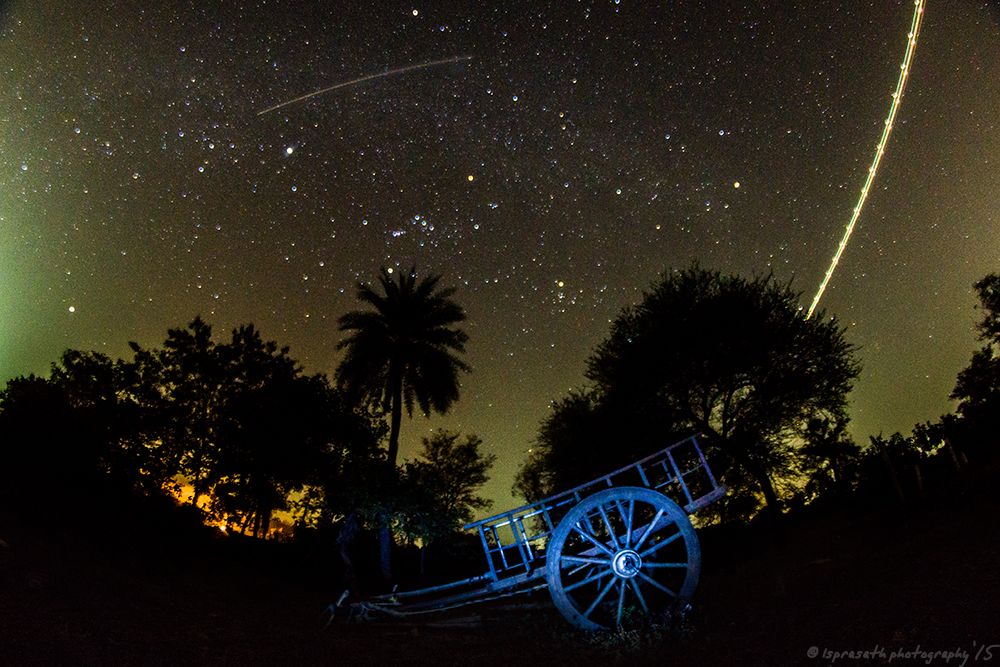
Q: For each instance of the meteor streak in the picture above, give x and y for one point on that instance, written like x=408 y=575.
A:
x=897 y=96
x=391 y=72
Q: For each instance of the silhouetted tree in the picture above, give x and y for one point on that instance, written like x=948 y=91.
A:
x=442 y=484
x=572 y=445
x=988 y=290
x=149 y=454
x=353 y=462
x=729 y=357
x=977 y=388
x=346 y=489
x=238 y=419
x=893 y=463
x=403 y=353
x=119 y=411
x=829 y=458
x=271 y=432
x=192 y=378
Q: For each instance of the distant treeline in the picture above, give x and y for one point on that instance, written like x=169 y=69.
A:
x=235 y=427
x=238 y=431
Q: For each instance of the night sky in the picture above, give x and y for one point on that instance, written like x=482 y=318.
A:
x=583 y=148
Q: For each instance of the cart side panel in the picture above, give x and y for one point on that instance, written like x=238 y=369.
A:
x=514 y=541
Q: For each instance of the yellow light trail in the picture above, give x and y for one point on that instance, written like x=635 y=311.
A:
x=897 y=96
x=391 y=72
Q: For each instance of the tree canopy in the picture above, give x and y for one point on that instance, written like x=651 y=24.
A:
x=977 y=388
x=729 y=357
x=403 y=352
x=237 y=422
x=442 y=483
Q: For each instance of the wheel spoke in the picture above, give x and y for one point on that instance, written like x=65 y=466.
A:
x=621 y=601
x=675 y=565
x=621 y=510
x=653 y=582
x=628 y=523
x=649 y=529
x=583 y=582
x=653 y=549
x=621 y=513
x=600 y=596
x=638 y=594
x=607 y=523
x=583 y=559
x=593 y=541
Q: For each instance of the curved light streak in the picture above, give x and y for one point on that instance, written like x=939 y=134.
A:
x=897 y=96
x=398 y=70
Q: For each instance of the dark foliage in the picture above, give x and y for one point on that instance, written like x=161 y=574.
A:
x=977 y=388
x=403 y=352
x=441 y=485
x=238 y=421
x=113 y=442
x=729 y=357
x=49 y=453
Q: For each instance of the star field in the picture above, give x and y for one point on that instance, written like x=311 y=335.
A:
x=580 y=150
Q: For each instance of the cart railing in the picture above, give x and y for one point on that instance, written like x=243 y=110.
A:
x=514 y=541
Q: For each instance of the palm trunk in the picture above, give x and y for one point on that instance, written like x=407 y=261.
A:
x=385 y=553
x=396 y=413
x=345 y=539
x=385 y=542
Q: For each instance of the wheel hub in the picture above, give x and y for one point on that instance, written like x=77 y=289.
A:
x=626 y=563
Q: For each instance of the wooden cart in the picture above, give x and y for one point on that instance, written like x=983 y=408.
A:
x=612 y=552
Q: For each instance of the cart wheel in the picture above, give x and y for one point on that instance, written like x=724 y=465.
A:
x=621 y=557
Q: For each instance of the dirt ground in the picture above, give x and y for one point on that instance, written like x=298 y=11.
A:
x=919 y=580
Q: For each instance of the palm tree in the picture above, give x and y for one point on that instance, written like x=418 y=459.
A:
x=403 y=353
